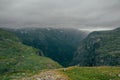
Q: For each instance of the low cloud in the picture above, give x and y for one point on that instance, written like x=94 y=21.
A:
x=60 y=13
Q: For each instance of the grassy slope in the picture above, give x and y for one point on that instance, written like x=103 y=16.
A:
x=78 y=73
x=93 y=73
x=17 y=59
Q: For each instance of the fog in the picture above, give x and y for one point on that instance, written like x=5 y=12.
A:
x=82 y=14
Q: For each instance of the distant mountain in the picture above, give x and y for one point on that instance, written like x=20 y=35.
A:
x=58 y=44
x=99 y=48
x=20 y=59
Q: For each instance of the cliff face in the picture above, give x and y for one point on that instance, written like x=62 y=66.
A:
x=99 y=48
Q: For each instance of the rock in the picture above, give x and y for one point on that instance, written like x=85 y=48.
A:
x=49 y=75
x=118 y=75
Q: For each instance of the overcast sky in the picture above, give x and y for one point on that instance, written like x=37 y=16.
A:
x=83 y=14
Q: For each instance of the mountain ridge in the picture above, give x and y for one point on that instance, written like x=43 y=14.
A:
x=99 y=48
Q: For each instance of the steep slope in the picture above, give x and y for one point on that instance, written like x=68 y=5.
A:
x=99 y=48
x=16 y=58
x=58 y=44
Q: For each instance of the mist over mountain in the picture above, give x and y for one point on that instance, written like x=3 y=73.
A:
x=58 y=44
x=60 y=13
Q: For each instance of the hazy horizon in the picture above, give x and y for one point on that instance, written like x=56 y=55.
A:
x=93 y=15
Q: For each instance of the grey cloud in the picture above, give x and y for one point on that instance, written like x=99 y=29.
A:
x=60 y=13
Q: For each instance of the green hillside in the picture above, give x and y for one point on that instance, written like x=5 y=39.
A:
x=99 y=48
x=17 y=59
x=58 y=44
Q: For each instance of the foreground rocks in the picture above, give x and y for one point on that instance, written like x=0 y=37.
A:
x=49 y=75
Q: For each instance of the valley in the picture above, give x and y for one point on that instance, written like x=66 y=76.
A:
x=59 y=39
x=43 y=54
x=58 y=44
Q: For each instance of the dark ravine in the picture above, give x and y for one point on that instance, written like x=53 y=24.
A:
x=58 y=44
x=98 y=49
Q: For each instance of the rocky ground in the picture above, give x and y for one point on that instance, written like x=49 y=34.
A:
x=49 y=75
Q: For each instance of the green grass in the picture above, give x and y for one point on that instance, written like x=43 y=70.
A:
x=93 y=73
x=18 y=60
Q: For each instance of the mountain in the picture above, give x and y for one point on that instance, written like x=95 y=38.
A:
x=99 y=48
x=21 y=62
x=17 y=59
x=58 y=44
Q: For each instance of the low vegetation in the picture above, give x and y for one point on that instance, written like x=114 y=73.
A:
x=93 y=73
x=78 y=73
x=18 y=60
